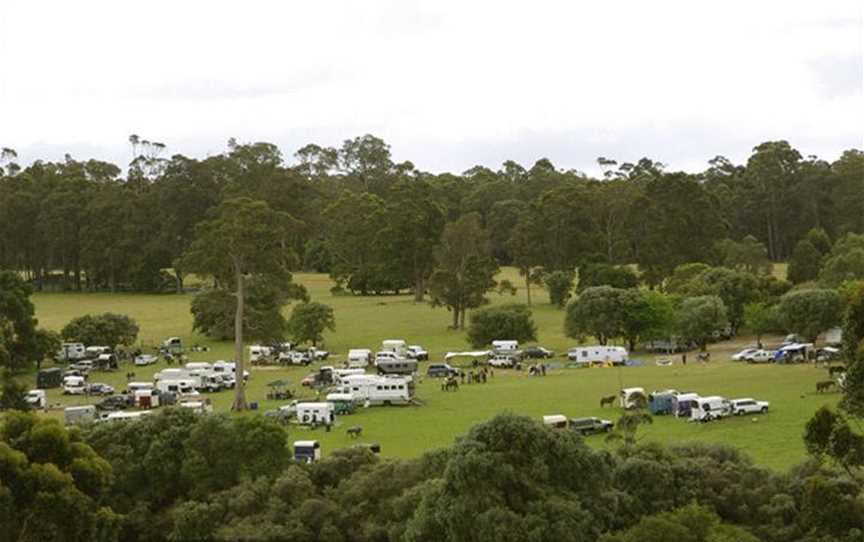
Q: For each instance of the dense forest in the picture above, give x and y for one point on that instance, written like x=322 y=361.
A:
x=375 y=225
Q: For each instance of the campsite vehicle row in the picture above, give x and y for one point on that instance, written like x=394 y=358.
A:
x=690 y=406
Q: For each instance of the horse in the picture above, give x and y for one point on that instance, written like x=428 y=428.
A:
x=835 y=369
x=825 y=385
x=451 y=384
x=354 y=431
x=608 y=400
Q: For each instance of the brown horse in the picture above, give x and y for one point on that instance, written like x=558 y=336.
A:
x=608 y=400
x=354 y=431
x=825 y=385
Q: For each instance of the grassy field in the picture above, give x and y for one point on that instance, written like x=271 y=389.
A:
x=773 y=440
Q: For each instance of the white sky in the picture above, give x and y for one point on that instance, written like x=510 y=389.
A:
x=447 y=84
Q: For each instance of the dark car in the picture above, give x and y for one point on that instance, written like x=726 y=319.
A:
x=589 y=426
x=441 y=370
x=100 y=389
x=537 y=352
x=114 y=402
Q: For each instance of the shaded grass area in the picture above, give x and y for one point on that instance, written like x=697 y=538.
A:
x=773 y=440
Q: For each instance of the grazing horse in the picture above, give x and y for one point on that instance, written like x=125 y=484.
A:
x=825 y=385
x=608 y=400
x=835 y=369
x=355 y=431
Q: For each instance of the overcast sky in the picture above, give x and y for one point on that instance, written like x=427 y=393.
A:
x=449 y=84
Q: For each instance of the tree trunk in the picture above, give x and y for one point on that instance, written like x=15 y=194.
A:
x=419 y=289
x=455 y=318
x=179 y=280
x=528 y=285
x=240 y=388
x=462 y=319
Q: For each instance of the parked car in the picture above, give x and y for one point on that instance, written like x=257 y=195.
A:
x=418 y=353
x=146 y=359
x=749 y=406
x=760 y=356
x=589 y=426
x=439 y=370
x=114 y=402
x=36 y=398
x=535 y=352
x=742 y=355
x=99 y=388
x=74 y=385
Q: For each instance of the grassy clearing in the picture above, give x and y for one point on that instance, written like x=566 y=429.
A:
x=773 y=440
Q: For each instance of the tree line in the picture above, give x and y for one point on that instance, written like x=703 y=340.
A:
x=379 y=226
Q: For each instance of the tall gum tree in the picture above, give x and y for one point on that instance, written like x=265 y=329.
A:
x=246 y=237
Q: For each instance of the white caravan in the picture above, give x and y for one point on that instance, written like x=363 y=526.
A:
x=257 y=353
x=71 y=352
x=616 y=355
x=359 y=358
x=505 y=346
x=79 y=414
x=36 y=398
x=315 y=413
x=710 y=408
x=397 y=346
x=180 y=386
x=377 y=390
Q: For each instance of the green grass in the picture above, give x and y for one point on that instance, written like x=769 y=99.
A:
x=773 y=440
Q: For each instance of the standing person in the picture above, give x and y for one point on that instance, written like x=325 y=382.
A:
x=543 y=369
x=684 y=358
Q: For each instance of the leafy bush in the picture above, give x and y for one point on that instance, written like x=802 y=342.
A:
x=513 y=322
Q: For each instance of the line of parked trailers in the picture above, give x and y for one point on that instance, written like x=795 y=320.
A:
x=689 y=405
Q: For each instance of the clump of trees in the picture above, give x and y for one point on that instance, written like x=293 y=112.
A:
x=106 y=329
x=309 y=320
x=513 y=322
x=22 y=342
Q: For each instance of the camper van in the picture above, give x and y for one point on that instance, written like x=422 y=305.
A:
x=378 y=390
x=401 y=366
x=71 y=352
x=662 y=402
x=359 y=358
x=316 y=413
x=173 y=345
x=79 y=414
x=93 y=352
x=307 y=451
x=589 y=355
x=710 y=408
x=74 y=385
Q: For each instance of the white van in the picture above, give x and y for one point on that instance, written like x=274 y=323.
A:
x=93 y=352
x=587 y=355
x=710 y=408
x=74 y=385
x=315 y=413
x=359 y=358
